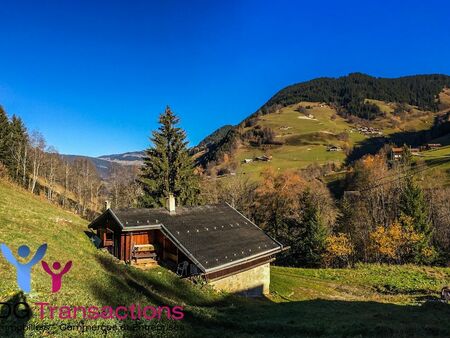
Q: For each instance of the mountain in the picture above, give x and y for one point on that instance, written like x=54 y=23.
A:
x=349 y=92
x=130 y=158
x=215 y=136
x=306 y=123
x=104 y=163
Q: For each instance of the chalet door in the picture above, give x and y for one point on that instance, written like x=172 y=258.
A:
x=142 y=237
x=109 y=241
x=116 y=247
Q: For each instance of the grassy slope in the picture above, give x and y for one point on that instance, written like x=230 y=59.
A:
x=438 y=161
x=368 y=300
x=95 y=279
x=306 y=140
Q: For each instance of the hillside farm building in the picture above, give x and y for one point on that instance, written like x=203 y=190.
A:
x=215 y=242
x=397 y=153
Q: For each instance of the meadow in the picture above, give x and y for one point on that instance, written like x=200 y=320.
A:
x=305 y=136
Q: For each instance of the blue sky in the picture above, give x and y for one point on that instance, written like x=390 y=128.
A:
x=93 y=76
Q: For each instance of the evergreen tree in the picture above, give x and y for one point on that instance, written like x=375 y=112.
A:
x=17 y=142
x=412 y=204
x=407 y=156
x=306 y=235
x=314 y=234
x=4 y=135
x=168 y=168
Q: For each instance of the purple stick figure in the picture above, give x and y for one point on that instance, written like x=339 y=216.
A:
x=56 y=277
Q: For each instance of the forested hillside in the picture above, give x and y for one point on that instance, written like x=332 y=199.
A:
x=350 y=92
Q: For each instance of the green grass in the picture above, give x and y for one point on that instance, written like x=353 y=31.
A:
x=439 y=162
x=305 y=140
x=370 y=300
x=287 y=157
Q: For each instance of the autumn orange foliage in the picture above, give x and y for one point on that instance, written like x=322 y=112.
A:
x=397 y=242
x=339 y=249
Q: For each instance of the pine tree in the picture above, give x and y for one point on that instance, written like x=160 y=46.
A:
x=306 y=235
x=313 y=240
x=17 y=143
x=412 y=204
x=4 y=136
x=168 y=168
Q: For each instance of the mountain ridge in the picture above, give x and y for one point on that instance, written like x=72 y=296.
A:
x=357 y=97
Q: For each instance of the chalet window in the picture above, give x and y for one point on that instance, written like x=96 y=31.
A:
x=109 y=236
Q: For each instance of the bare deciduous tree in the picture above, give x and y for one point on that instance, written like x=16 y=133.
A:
x=37 y=145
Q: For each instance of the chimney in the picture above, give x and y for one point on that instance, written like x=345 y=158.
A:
x=107 y=205
x=170 y=204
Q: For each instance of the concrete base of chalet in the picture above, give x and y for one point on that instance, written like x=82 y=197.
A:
x=253 y=282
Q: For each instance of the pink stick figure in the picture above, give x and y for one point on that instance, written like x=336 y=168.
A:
x=56 y=277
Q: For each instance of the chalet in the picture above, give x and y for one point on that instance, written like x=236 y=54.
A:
x=264 y=158
x=215 y=242
x=397 y=153
x=334 y=148
x=433 y=145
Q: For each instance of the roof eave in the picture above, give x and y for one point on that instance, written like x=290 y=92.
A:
x=107 y=211
x=142 y=227
x=245 y=259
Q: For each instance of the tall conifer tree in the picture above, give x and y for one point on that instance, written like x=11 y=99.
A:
x=4 y=136
x=17 y=143
x=168 y=168
x=412 y=204
x=311 y=244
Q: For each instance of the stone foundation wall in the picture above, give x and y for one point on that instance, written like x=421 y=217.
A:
x=253 y=282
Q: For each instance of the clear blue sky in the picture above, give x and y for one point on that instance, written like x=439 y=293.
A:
x=93 y=76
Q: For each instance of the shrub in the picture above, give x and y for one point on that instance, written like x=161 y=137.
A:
x=399 y=243
x=338 y=250
x=4 y=172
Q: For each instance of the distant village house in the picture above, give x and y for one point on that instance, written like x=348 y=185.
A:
x=397 y=153
x=334 y=148
x=264 y=158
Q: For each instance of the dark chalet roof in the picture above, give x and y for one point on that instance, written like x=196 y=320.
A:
x=214 y=236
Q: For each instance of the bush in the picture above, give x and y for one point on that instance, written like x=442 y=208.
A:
x=399 y=243
x=4 y=172
x=338 y=250
x=250 y=122
x=343 y=136
x=223 y=171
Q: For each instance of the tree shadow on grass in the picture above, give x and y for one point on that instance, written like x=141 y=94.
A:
x=13 y=319
x=209 y=314
x=164 y=286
